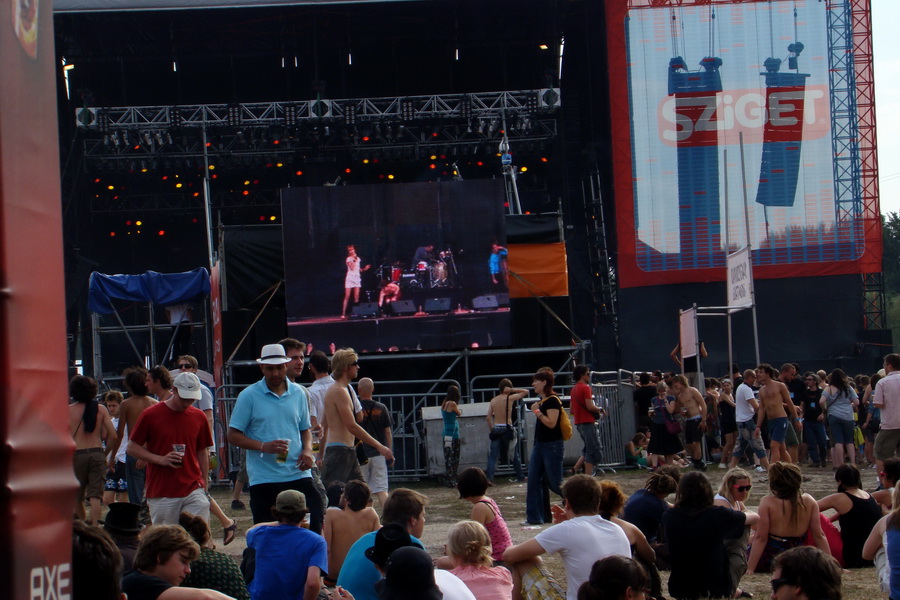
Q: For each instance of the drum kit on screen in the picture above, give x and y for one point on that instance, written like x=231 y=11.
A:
x=425 y=274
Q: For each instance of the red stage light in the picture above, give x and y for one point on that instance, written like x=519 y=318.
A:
x=208 y=144
x=443 y=157
x=246 y=192
x=165 y=177
x=127 y=223
x=480 y=164
x=215 y=176
x=432 y=166
x=347 y=170
x=262 y=218
x=112 y=234
x=162 y=232
x=276 y=142
x=196 y=194
x=138 y=147
x=298 y=173
x=194 y=220
x=365 y=138
x=544 y=159
x=434 y=134
x=97 y=180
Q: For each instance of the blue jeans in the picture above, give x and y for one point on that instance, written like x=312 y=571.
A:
x=814 y=432
x=546 y=463
x=746 y=440
x=135 y=479
x=500 y=447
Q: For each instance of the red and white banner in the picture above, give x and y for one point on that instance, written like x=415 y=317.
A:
x=36 y=524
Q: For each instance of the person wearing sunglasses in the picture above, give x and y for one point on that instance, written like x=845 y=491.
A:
x=806 y=573
x=733 y=493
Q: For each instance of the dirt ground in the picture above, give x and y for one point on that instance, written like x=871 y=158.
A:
x=445 y=509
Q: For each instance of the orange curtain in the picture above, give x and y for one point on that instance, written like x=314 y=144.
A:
x=542 y=269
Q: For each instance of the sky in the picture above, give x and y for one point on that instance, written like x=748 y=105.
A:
x=885 y=25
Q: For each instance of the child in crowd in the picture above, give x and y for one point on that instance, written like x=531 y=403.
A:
x=116 y=487
x=469 y=549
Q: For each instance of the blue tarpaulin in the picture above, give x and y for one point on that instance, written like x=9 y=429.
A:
x=160 y=288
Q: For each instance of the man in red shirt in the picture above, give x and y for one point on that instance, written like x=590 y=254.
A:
x=586 y=413
x=172 y=437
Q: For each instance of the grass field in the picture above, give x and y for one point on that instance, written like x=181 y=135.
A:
x=445 y=509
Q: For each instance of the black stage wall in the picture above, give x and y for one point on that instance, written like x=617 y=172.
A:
x=814 y=321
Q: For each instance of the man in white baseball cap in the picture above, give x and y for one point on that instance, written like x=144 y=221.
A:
x=172 y=437
x=271 y=420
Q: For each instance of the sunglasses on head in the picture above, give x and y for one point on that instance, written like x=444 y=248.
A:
x=777 y=583
x=742 y=488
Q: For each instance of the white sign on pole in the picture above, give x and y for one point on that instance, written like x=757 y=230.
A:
x=740 y=279
x=688 y=324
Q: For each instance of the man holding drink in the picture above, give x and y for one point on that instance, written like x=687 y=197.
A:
x=271 y=418
x=172 y=437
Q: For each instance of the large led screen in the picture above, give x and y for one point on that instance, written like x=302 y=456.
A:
x=388 y=268
x=701 y=78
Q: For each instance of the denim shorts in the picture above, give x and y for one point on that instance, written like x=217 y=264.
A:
x=841 y=430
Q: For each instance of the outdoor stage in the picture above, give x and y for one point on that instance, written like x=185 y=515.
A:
x=419 y=331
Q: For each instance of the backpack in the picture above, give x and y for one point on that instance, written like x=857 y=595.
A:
x=565 y=424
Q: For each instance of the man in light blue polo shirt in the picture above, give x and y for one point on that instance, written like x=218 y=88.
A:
x=271 y=418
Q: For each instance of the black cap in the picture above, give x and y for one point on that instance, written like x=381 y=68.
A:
x=389 y=538
x=409 y=574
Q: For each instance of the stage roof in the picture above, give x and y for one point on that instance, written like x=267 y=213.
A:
x=118 y=5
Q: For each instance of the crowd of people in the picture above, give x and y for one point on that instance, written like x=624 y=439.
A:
x=311 y=542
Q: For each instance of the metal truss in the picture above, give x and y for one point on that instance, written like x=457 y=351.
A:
x=844 y=125
x=277 y=128
x=677 y=3
x=118 y=146
x=874 y=301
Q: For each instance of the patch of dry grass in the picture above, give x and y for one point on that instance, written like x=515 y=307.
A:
x=445 y=509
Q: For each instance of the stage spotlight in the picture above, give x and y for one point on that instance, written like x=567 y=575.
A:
x=406 y=110
x=234 y=114
x=350 y=114
x=290 y=115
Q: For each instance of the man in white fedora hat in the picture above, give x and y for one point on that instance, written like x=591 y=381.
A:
x=271 y=420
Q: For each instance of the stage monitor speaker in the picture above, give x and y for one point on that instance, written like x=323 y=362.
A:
x=503 y=299
x=365 y=310
x=437 y=306
x=485 y=303
x=402 y=307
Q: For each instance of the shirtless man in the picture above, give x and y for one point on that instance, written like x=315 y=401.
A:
x=499 y=418
x=340 y=462
x=135 y=380
x=773 y=400
x=345 y=525
x=159 y=382
x=691 y=401
x=89 y=423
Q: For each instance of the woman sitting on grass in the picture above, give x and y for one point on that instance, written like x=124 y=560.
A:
x=472 y=485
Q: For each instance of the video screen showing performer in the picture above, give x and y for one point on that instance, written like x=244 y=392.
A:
x=362 y=262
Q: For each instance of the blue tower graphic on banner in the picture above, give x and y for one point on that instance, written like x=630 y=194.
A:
x=696 y=97
x=785 y=93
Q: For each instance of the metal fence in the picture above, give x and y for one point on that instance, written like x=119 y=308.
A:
x=613 y=390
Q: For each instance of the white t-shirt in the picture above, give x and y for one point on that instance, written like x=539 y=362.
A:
x=581 y=542
x=317 y=396
x=743 y=412
x=452 y=586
